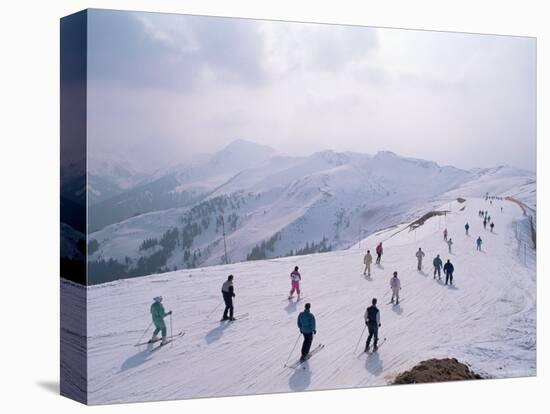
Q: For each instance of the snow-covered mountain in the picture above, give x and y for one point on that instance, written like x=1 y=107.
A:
x=487 y=319
x=174 y=186
x=276 y=205
x=108 y=178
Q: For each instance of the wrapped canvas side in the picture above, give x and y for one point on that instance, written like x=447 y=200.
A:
x=73 y=348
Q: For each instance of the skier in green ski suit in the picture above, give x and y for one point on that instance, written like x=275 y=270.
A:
x=158 y=314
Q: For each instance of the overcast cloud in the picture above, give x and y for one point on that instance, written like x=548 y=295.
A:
x=163 y=87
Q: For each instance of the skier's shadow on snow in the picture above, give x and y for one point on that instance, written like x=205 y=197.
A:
x=291 y=307
x=379 y=266
x=397 y=309
x=216 y=333
x=301 y=378
x=137 y=359
x=374 y=364
x=423 y=273
x=452 y=287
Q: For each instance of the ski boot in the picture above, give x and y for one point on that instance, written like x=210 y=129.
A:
x=153 y=339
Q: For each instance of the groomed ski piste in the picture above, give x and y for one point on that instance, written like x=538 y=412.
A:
x=487 y=319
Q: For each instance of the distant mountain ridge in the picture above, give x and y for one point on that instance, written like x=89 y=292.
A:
x=272 y=205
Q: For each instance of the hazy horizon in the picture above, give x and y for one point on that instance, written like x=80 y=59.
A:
x=167 y=87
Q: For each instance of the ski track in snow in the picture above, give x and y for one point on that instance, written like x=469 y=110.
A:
x=486 y=320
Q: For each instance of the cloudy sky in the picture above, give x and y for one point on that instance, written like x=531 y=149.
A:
x=164 y=87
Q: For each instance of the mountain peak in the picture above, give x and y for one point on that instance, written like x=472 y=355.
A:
x=386 y=155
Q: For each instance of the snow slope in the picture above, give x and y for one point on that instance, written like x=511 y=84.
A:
x=486 y=320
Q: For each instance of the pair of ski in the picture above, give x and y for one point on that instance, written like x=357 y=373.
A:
x=169 y=339
x=299 y=363
x=372 y=351
x=297 y=299
x=236 y=318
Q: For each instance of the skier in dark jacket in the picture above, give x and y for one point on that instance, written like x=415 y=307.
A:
x=478 y=243
x=467 y=227
x=438 y=263
x=372 y=320
x=448 y=269
x=228 y=293
x=306 y=324
x=485 y=223
x=492 y=226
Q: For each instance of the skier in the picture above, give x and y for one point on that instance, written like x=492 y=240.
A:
x=485 y=223
x=438 y=263
x=492 y=226
x=467 y=227
x=419 y=255
x=306 y=324
x=295 y=278
x=395 y=285
x=501 y=209
x=379 y=251
x=372 y=320
x=445 y=234
x=158 y=314
x=478 y=243
x=367 y=260
x=448 y=269
x=450 y=244
x=228 y=293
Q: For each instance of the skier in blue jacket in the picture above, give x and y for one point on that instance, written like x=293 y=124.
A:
x=438 y=263
x=306 y=324
x=158 y=314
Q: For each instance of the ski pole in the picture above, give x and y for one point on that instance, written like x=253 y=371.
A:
x=289 y=355
x=213 y=310
x=171 y=330
x=144 y=332
x=359 y=341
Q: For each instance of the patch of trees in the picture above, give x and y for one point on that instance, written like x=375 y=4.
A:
x=103 y=271
x=194 y=222
x=261 y=250
x=148 y=244
x=320 y=247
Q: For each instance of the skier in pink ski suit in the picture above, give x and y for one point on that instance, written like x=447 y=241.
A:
x=295 y=278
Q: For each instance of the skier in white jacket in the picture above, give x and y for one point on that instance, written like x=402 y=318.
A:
x=395 y=285
x=367 y=261
x=419 y=255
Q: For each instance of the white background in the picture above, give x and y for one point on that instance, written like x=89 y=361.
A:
x=29 y=228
